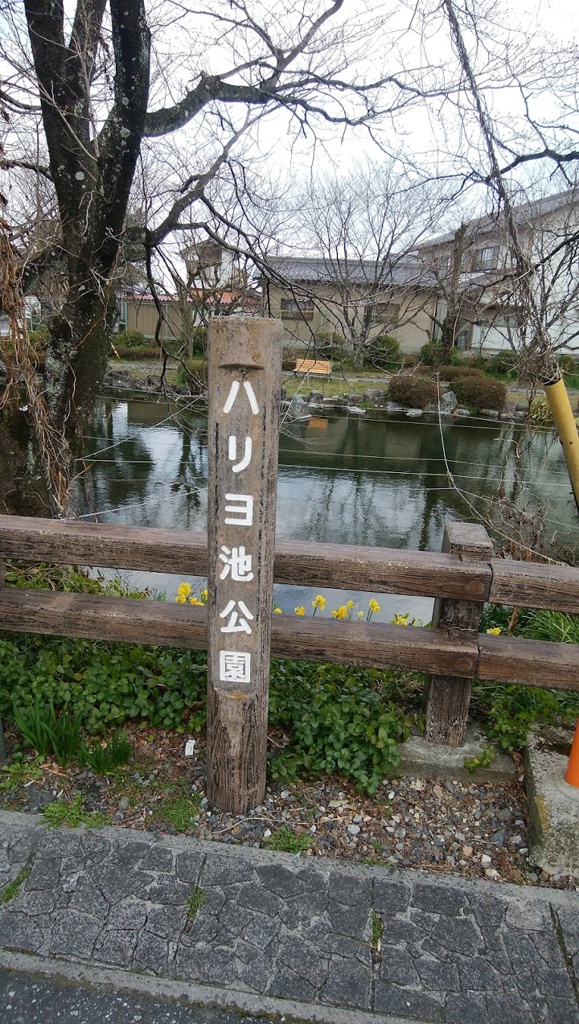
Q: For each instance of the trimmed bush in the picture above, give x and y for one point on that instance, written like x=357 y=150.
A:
x=480 y=393
x=503 y=364
x=415 y=392
x=137 y=353
x=129 y=339
x=384 y=352
x=452 y=373
x=432 y=353
x=410 y=360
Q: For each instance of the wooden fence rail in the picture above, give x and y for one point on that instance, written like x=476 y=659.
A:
x=459 y=580
x=340 y=566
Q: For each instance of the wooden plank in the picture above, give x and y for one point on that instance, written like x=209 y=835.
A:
x=346 y=567
x=71 y=542
x=532 y=585
x=529 y=662
x=448 y=698
x=156 y=622
x=380 y=570
x=501 y=659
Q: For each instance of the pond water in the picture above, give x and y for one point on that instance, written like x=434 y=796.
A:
x=379 y=480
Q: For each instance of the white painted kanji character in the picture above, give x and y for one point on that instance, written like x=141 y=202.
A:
x=237 y=622
x=233 y=392
x=243 y=507
x=234 y=667
x=237 y=563
x=246 y=459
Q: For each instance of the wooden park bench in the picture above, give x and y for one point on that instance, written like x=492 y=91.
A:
x=313 y=367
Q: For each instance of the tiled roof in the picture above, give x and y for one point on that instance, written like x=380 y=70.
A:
x=310 y=270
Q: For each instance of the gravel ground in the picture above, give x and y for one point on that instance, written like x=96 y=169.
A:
x=471 y=829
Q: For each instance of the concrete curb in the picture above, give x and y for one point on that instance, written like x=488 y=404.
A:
x=280 y=935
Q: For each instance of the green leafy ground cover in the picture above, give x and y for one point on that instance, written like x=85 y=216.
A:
x=334 y=720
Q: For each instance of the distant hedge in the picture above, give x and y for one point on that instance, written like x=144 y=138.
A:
x=452 y=373
x=136 y=353
x=481 y=393
x=416 y=392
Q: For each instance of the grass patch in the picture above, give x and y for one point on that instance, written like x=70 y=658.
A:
x=195 y=901
x=13 y=888
x=377 y=930
x=284 y=841
x=48 y=733
x=104 y=760
x=19 y=773
x=179 y=811
x=72 y=813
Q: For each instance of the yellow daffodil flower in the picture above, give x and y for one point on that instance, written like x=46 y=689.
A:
x=300 y=610
x=495 y=631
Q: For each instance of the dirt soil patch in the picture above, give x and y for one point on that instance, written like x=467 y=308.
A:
x=470 y=829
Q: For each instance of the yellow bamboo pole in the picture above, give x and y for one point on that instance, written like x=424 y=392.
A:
x=560 y=407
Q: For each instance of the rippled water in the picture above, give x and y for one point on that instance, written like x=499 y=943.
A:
x=378 y=480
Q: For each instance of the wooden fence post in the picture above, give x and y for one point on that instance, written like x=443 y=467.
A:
x=448 y=698
x=2 y=740
x=243 y=435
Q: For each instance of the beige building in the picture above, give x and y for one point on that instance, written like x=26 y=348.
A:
x=358 y=301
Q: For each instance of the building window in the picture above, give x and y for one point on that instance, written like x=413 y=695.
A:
x=386 y=313
x=486 y=258
x=291 y=309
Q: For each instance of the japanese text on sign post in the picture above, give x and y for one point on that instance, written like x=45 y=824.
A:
x=244 y=377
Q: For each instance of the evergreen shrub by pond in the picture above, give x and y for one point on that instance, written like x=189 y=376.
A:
x=416 y=392
x=480 y=393
x=452 y=373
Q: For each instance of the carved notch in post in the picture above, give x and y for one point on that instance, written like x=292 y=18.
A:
x=448 y=698
x=243 y=438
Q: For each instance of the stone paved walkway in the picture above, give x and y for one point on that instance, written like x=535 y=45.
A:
x=276 y=933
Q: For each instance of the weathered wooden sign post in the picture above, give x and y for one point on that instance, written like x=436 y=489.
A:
x=243 y=430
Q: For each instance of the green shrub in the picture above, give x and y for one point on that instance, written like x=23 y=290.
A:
x=129 y=339
x=452 y=373
x=196 y=342
x=193 y=375
x=410 y=359
x=105 y=684
x=508 y=712
x=479 y=393
x=569 y=366
x=384 y=352
x=328 y=345
x=502 y=364
x=47 y=733
x=416 y=392
x=342 y=720
x=137 y=353
x=290 y=357
x=432 y=353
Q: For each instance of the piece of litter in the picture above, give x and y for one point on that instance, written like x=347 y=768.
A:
x=189 y=748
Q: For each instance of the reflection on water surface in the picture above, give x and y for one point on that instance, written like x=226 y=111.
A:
x=382 y=482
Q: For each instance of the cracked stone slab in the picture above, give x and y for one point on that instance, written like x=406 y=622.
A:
x=317 y=933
